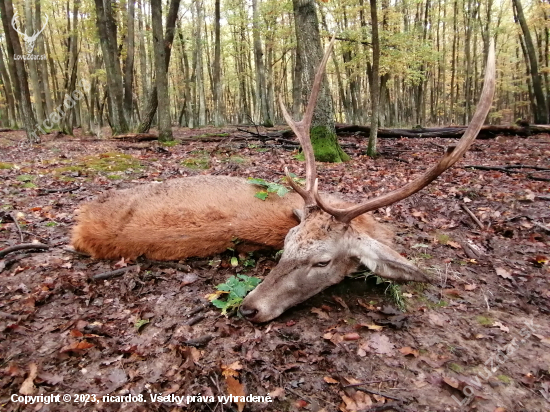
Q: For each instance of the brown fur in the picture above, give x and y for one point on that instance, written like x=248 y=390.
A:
x=195 y=216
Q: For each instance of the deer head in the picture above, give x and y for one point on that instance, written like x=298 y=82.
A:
x=330 y=242
x=29 y=40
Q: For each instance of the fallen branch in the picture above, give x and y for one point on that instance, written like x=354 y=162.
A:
x=200 y=341
x=14 y=218
x=42 y=192
x=22 y=246
x=114 y=273
x=136 y=137
x=474 y=218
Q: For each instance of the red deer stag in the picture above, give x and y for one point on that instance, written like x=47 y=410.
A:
x=324 y=238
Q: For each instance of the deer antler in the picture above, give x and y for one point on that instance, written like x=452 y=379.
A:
x=301 y=129
x=25 y=35
x=13 y=21
x=452 y=155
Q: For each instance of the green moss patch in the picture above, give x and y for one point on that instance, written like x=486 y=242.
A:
x=198 y=162
x=102 y=163
x=325 y=145
x=5 y=165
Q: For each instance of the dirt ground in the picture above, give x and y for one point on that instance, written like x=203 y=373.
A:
x=478 y=339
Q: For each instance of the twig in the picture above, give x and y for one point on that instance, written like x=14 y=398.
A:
x=474 y=218
x=43 y=239
x=42 y=192
x=353 y=385
x=194 y=320
x=114 y=273
x=380 y=394
x=396 y=406
x=18 y=227
x=542 y=197
x=22 y=246
x=543 y=227
x=173 y=265
x=198 y=309
x=200 y=341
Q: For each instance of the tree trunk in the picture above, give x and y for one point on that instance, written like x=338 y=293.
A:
x=541 y=114
x=161 y=76
x=42 y=64
x=33 y=133
x=375 y=84
x=265 y=118
x=12 y=117
x=129 y=64
x=108 y=39
x=33 y=71
x=323 y=135
x=152 y=105
x=217 y=85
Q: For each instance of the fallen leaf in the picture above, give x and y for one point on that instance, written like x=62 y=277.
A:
x=351 y=336
x=543 y=339
x=501 y=326
x=28 y=388
x=453 y=292
x=503 y=273
x=321 y=313
x=341 y=302
x=407 y=350
x=277 y=393
x=235 y=388
x=77 y=346
x=371 y=326
x=381 y=344
x=330 y=380
x=300 y=404
x=470 y=287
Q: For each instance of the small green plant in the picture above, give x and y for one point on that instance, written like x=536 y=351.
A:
x=456 y=367
x=233 y=290
x=504 y=379
x=484 y=320
x=394 y=290
x=170 y=143
x=443 y=238
x=140 y=323
x=269 y=188
x=51 y=224
x=25 y=178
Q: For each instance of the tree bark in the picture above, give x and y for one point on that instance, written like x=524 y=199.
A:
x=323 y=134
x=129 y=64
x=12 y=116
x=161 y=75
x=265 y=118
x=33 y=70
x=541 y=113
x=31 y=127
x=375 y=84
x=108 y=39
x=217 y=85
x=152 y=105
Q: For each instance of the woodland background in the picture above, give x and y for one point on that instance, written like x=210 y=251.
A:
x=228 y=61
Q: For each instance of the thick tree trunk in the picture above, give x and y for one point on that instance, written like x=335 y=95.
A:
x=42 y=64
x=323 y=135
x=161 y=75
x=12 y=116
x=33 y=70
x=265 y=118
x=31 y=127
x=375 y=83
x=152 y=100
x=541 y=113
x=129 y=64
x=108 y=39
x=217 y=85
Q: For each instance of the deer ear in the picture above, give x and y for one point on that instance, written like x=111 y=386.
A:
x=387 y=263
x=299 y=213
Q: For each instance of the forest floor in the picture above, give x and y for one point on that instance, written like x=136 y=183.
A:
x=478 y=339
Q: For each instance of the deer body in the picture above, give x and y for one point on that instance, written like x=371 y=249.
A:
x=194 y=216
x=325 y=239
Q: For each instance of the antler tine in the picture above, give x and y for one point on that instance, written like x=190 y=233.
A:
x=301 y=129
x=451 y=156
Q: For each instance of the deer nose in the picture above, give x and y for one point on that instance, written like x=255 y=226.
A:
x=247 y=312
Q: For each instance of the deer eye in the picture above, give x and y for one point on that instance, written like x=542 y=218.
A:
x=321 y=264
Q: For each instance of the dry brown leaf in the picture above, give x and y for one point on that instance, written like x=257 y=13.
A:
x=300 y=404
x=330 y=380
x=366 y=305
x=407 y=350
x=28 y=388
x=321 y=313
x=503 y=273
x=235 y=388
x=501 y=326
x=351 y=336
x=372 y=326
x=470 y=287
x=341 y=302
x=362 y=400
x=543 y=339
x=277 y=393
x=454 y=245
x=381 y=344
x=451 y=381
x=77 y=346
